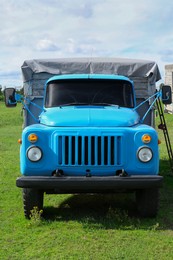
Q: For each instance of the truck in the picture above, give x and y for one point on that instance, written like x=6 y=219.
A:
x=89 y=127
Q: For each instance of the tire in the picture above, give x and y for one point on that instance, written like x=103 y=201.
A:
x=147 y=202
x=32 y=198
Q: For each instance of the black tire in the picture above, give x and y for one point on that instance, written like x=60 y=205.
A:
x=32 y=198
x=147 y=202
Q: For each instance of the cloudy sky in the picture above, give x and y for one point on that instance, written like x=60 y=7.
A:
x=83 y=28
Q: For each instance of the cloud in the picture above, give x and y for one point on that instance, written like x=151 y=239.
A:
x=83 y=10
x=167 y=55
x=46 y=45
x=10 y=78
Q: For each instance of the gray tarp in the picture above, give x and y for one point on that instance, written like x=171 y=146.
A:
x=126 y=67
x=144 y=73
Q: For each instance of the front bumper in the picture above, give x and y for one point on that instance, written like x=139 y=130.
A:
x=68 y=184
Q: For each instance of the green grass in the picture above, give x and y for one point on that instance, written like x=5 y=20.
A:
x=78 y=227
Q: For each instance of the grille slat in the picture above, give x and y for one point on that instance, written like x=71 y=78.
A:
x=109 y=150
x=89 y=150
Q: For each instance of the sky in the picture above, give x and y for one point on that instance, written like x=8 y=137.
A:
x=42 y=29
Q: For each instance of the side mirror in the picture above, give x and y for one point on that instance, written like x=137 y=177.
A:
x=166 y=94
x=10 y=100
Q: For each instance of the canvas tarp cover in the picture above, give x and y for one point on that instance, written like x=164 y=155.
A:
x=144 y=73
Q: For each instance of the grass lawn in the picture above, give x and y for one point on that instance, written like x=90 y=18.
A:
x=79 y=227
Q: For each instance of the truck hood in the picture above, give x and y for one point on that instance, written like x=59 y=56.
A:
x=89 y=116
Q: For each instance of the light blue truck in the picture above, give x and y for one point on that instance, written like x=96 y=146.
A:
x=89 y=128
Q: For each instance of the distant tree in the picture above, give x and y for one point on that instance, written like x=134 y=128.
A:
x=21 y=91
x=1 y=94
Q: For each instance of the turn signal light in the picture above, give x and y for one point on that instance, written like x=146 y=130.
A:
x=19 y=141
x=33 y=138
x=159 y=142
x=146 y=138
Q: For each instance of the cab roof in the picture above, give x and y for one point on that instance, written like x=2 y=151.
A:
x=88 y=76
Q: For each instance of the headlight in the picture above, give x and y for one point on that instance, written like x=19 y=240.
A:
x=145 y=154
x=34 y=154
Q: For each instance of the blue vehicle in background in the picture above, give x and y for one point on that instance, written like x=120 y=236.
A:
x=89 y=128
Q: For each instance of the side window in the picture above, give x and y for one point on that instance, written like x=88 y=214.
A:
x=127 y=95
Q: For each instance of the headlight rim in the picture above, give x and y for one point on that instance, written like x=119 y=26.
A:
x=141 y=148
x=31 y=147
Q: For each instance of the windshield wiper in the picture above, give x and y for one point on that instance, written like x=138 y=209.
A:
x=105 y=104
x=74 y=104
x=87 y=104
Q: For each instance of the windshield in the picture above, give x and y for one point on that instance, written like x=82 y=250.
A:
x=89 y=92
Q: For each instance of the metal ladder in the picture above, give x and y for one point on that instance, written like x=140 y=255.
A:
x=163 y=127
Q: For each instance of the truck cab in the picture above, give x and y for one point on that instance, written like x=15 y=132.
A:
x=87 y=124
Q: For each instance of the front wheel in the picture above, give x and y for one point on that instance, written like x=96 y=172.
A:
x=32 y=198
x=147 y=202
